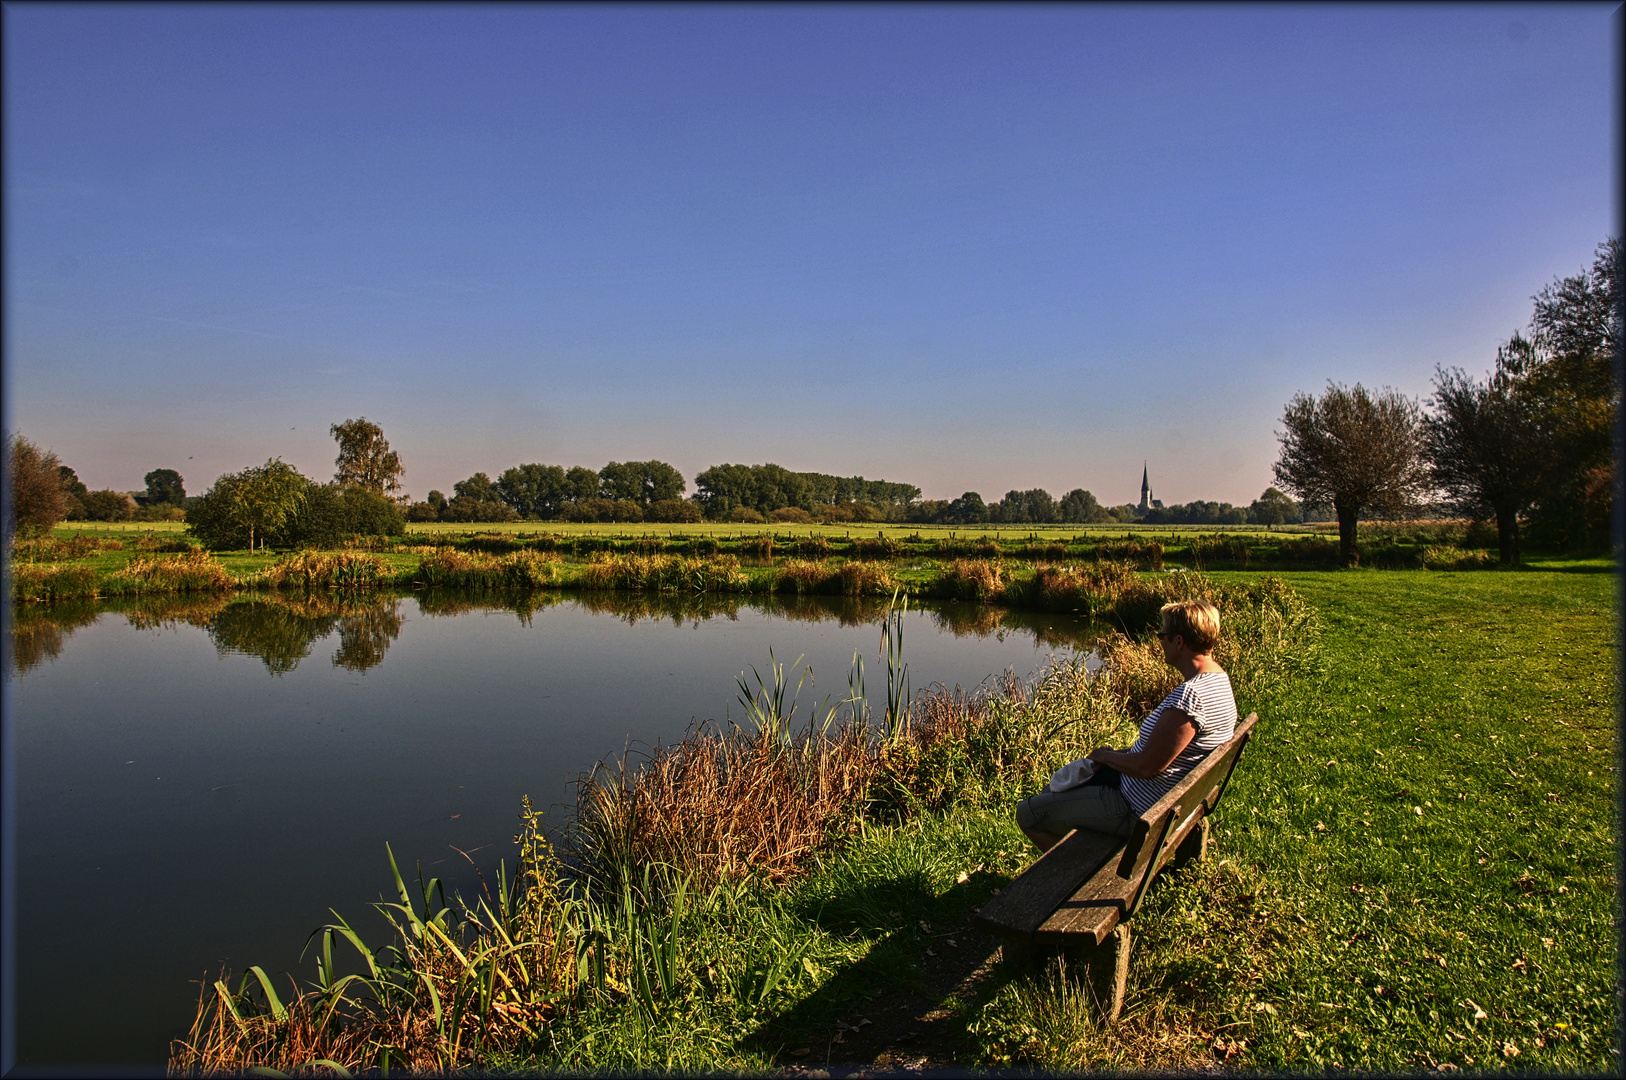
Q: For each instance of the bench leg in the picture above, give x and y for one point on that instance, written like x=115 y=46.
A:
x=1194 y=848
x=1106 y=968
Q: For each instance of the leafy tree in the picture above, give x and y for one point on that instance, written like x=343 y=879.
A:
x=1079 y=506
x=968 y=509
x=107 y=505
x=1274 y=507
x=164 y=488
x=642 y=482
x=36 y=497
x=477 y=499
x=365 y=458
x=478 y=487
x=534 y=491
x=1566 y=369
x=1034 y=505
x=673 y=510
x=581 y=483
x=1487 y=449
x=331 y=513
x=248 y=507
x=73 y=494
x=1355 y=450
x=762 y=488
x=436 y=500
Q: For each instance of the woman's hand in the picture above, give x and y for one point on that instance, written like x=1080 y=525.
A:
x=1173 y=733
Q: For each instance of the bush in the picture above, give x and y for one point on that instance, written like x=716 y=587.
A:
x=746 y=515
x=107 y=505
x=331 y=513
x=793 y=515
x=673 y=511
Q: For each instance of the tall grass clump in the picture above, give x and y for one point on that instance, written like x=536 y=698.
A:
x=1220 y=548
x=320 y=570
x=882 y=547
x=757 y=547
x=451 y=569
x=458 y=983
x=35 y=583
x=802 y=576
x=663 y=573
x=1143 y=554
x=813 y=547
x=1091 y=589
x=1452 y=558
x=194 y=572
x=1041 y=552
x=973 y=579
x=864 y=579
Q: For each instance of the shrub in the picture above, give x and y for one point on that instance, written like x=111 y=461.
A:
x=746 y=515
x=673 y=511
x=107 y=505
x=973 y=579
x=793 y=515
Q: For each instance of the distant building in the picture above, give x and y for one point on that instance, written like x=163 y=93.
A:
x=1146 y=500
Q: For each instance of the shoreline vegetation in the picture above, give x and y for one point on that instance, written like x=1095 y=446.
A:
x=672 y=887
x=1414 y=871
x=1017 y=567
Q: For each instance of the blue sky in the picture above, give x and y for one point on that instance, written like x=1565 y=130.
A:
x=971 y=248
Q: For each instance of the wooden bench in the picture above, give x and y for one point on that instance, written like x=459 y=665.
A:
x=1079 y=896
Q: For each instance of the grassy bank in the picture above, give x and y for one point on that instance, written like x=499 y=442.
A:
x=1414 y=868
x=1022 y=568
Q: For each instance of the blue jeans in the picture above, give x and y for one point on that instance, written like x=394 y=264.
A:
x=1093 y=806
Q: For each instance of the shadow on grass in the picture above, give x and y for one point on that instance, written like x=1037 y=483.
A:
x=896 y=980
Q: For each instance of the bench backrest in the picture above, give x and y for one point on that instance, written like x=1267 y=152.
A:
x=1168 y=821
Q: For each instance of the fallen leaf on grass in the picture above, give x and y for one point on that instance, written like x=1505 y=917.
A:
x=1479 y=1014
x=1509 y=1050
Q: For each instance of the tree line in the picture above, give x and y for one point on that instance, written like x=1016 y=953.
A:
x=1529 y=445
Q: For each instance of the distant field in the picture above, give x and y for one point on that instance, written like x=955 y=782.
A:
x=868 y=528
x=118 y=528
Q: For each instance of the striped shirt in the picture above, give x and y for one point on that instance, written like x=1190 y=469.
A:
x=1207 y=699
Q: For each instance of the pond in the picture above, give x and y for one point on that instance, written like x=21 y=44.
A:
x=198 y=780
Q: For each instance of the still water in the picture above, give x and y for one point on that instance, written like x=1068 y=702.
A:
x=198 y=781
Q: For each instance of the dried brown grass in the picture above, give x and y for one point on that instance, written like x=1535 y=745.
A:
x=974 y=579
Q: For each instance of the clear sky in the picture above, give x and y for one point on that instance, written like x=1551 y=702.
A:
x=970 y=248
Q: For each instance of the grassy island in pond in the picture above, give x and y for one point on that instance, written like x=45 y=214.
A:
x=1414 y=869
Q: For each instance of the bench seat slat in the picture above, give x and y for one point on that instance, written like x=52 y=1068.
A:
x=1027 y=902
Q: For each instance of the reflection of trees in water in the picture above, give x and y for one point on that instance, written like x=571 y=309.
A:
x=435 y=602
x=365 y=636
x=281 y=631
x=39 y=631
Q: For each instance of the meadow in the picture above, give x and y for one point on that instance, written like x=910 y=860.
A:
x=1414 y=869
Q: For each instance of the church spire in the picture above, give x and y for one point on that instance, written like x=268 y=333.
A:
x=1145 y=488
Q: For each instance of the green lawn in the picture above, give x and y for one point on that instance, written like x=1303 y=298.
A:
x=1414 y=868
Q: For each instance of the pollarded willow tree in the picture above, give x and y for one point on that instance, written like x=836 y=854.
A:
x=1357 y=451
x=365 y=458
x=1487 y=448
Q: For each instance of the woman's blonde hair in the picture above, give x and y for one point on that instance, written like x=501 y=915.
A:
x=1195 y=620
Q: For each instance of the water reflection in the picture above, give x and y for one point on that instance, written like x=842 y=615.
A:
x=282 y=630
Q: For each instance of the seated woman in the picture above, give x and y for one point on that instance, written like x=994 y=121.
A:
x=1174 y=738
